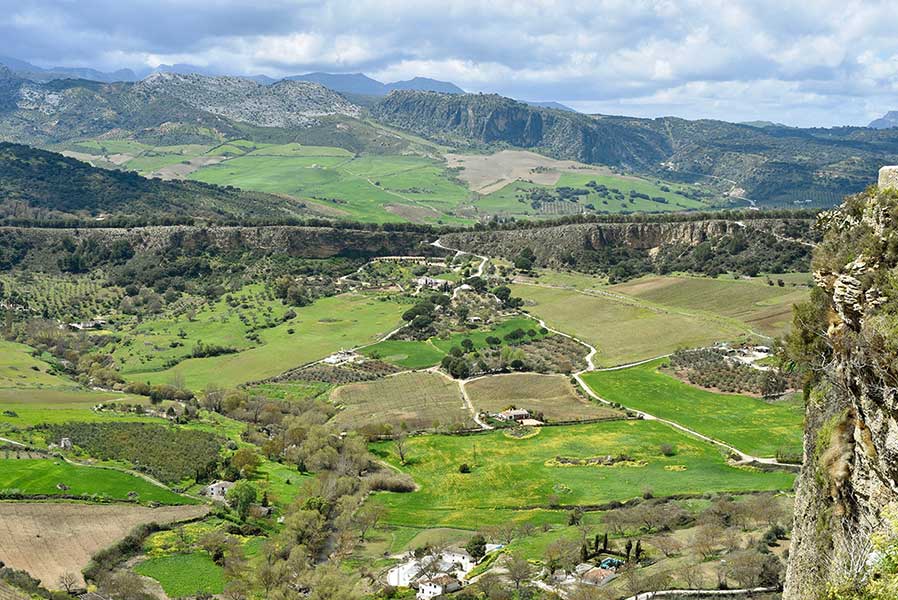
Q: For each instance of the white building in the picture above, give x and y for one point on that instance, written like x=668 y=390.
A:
x=439 y=585
x=454 y=562
x=218 y=490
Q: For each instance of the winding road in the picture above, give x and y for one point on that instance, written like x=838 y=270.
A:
x=743 y=457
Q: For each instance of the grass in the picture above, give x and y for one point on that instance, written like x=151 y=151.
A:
x=51 y=406
x=552 y=395
x=406 y=354
x=426 y=353
x=282 y=482
x=365 y=188
x=766 y=308
x=513 y=480
x=750 y=424
x=40 y=477
x=421 y=400
x=182 y=575
x=320 y=329
x=18 y=368
x=621 y=332
x=505 y=200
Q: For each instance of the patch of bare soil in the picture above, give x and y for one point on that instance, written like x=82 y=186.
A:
x=487 y=173
x=415 y=214
x=48 y=539
x=185 y=168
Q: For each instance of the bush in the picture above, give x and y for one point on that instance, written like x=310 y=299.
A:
x=464 y=468
x=384 y=481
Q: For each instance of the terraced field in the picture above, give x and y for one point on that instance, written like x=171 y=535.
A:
x=552 y=395
x=421 y=400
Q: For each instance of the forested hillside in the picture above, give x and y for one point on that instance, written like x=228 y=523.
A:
x=36 y=184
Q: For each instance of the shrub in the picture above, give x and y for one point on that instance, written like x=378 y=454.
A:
x=464 y=468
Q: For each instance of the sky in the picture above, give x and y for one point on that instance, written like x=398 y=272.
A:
x=809 y=63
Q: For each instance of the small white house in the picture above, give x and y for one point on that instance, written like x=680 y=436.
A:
x=514 y=414
x=218 y=490
x=439 y=585
x=65 y=444
x=403 y=575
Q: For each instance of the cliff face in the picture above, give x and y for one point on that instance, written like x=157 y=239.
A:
x=35 y=245
x=580 y=245
x=849 y=479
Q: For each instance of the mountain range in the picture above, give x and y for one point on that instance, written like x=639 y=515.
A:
x=764 y=162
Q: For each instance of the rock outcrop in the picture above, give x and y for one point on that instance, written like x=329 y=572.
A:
x=850 y=472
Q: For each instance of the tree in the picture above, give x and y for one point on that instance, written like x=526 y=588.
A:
x=667 y=545
x=68 y=581
x=401 y=443
x=241 y=496
x=476 y=547
x=519 y=570
x=628 y=549
x=367 y=517
x=246 y=461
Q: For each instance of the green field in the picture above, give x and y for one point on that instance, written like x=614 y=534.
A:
x=40 y=476
x=765 y=308
x=506 y=200
x=35 y=406
x=183 y=575
x=320 y=329
x=750 y=424
x=406 y=353
x=426 y=353
x=621 y=332
x=18 y=368
x=371 y=188
x=511 y=474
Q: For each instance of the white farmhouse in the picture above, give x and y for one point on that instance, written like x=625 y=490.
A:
x=218 y=490
x=439 y=585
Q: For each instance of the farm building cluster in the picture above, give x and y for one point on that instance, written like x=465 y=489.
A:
x=436 y=573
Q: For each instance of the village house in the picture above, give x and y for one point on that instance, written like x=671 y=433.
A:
x=439 y=585
x=92 y=324
x=430 y=282
x=596 y=576
x=454 y=562
x=513 y=414
x=65 y=444
x=218 y=490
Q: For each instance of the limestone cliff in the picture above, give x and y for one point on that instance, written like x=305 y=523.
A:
x=849 y=481
x=772 y=245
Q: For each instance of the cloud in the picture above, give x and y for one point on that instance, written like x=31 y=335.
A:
x=825 y=62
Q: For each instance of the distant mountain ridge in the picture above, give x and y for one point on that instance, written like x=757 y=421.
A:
x=770 y=165
x=887 y=121
x=359 y=83
x=181 y=108
x=353 y=83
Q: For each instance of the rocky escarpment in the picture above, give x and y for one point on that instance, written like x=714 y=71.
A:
x=36 y=246
x=655 y=245
x=849 y=482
